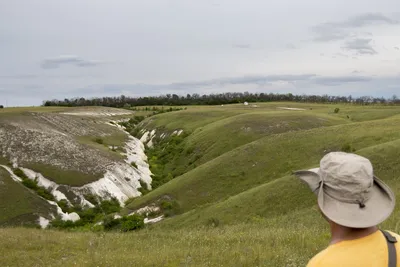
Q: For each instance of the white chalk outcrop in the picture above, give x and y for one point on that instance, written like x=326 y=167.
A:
x=43 y=222
x=121 y=181
x=291 y=108
x=46 y=183
x=154 y=220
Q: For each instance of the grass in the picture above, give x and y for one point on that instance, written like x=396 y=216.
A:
x=19 y=205
x=241 y=129
x=241 y=245
x=267 y=159
x=237 y=204
x=60 y=176
x=16 y=110
x=115 y=140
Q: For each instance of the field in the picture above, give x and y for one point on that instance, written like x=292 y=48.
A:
x=235 y=201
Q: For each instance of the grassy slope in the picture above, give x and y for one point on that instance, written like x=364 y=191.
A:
x=287 y=194
x=266 y=216
x=241 y=245
x=245 y=128
x=267 y=159
x=18 y=204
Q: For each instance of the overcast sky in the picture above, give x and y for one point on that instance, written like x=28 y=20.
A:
x=62 y=49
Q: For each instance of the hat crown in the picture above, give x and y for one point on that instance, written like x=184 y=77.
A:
x=347 y=177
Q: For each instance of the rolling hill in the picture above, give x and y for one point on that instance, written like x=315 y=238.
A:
x=225 y=191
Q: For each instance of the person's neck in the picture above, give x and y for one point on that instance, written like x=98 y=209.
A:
x=341 y=233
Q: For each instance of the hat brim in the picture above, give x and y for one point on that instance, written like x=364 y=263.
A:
x=377 y=209
x=310 y=178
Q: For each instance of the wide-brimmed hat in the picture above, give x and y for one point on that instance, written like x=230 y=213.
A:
x=348 y=192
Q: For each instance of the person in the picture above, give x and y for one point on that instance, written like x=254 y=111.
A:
x=354 y=202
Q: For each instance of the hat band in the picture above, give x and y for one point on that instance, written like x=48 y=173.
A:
x=359 y=198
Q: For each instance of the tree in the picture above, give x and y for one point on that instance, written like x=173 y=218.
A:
x=1 y=106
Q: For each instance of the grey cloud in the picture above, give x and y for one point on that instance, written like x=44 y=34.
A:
x=245 y=80
x=397 y=48
x=260 y=79
x=368 y=19
x=73 y=60
x=339 y=80
x=360 y=46
x=328 y=32
x=332 y=31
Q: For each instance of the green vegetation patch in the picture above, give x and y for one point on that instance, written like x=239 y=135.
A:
x=60 y=176
x=18 y=205
x=110 y=145
x=267 y=159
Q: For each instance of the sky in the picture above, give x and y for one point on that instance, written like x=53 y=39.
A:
x=81 y=48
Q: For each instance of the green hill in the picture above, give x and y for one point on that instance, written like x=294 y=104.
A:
x=234 y=201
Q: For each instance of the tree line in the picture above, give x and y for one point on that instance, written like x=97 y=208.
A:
x=215 y=99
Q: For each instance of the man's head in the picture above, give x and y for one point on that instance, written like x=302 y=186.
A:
x=348 y=192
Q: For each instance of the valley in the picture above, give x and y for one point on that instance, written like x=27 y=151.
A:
x=213 y=184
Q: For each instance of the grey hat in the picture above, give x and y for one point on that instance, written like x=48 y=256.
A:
x=348 y=192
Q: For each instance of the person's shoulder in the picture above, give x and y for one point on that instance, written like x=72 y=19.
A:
x=318 y=259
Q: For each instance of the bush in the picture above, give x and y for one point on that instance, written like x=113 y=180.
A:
x=58 y=223
x=33 y=184
x=30 y=184
x=143 y=188
x=99 y=140
x=110 y=206
x=134 y=165
x=336 y=110
x=348 y=148
x=109 y=223
x=18 y=172
x=44 y=193
x=131 y=223
x=213 y=222
x=169 y=207
x=91 y=198
x=63 y=204
x=89 y=215
x=124 y=224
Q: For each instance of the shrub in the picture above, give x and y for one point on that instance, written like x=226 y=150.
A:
x=336 y=110
x=30 y=184
x=18 y=172
x=348 y=148
x=91 y=198
x=169 y=207
x=110 y=206
x=213 y=222
x=131 y=223
x=124 y=224
x=89 y=215
x=134 y=165
x=63 y=204
x=99 y=140
x=44 y=193
x=110 y=223
x=143 y=188
x=1 y=106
